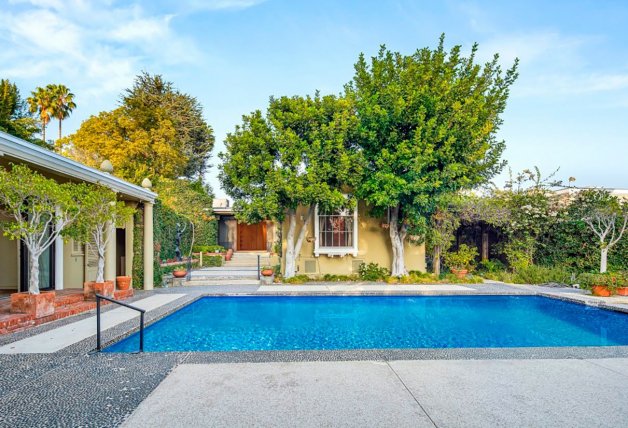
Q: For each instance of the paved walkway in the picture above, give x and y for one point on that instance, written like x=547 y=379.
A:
x=461 y=393
x=69 y=334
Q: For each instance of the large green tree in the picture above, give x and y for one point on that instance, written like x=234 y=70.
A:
x=14 y=115
x=428 y=124
x=301 y=154
x=156 y=132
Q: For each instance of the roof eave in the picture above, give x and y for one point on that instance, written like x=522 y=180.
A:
x=35 y=155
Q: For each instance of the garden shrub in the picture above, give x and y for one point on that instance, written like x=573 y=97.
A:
x=372 y=272
x=297 y=279
x=490 y=266
x=338 y=278
x=453 y=279
x=212 y=261
x=208 y=249
x=534 y=274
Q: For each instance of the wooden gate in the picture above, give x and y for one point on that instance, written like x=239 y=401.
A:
x=252 y=237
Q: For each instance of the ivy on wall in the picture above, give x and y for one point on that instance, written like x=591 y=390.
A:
x=165 y=222
x=138 y=249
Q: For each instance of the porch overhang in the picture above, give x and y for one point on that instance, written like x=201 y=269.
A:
x=14 y=149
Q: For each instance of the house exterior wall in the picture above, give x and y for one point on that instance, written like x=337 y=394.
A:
x=61 y=169
x=373 y=247
x=8 y=263
x=73 y=264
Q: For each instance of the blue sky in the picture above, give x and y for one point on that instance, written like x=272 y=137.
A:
x=569 y=108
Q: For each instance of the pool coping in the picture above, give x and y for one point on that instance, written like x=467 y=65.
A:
x=128 y=328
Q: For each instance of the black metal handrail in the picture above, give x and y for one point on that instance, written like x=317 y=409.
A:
x=100 y=297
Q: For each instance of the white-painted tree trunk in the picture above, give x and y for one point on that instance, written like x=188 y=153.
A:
x=101 y=237
x=33 y=279
x=397 y=238
x=294 y=243
x=100 y=272
x=603 y=259
x=290 y=255
x=436 y=260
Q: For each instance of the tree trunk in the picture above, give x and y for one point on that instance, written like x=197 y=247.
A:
x=33 y=279
x=290 y=255
x=397 y=238
x=484 y=245
x=100 y=273
x=293 y=247
x=43 y=132
x=436 y=260
x=60 y=128
x=603 y=259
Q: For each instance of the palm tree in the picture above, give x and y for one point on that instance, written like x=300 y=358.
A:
x=40 y=102
x=62 y=103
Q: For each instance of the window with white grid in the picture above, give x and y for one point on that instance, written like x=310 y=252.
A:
x=336 y=232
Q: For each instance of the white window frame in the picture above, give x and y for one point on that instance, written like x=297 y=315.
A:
x=335 y=251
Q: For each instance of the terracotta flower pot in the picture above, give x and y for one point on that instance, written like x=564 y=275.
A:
x=39 y=305
x=601 y=291
x=123 y=282
x=179 y=273
x=460 y=273
x=267 y=272
x=91 y=288
x=622 y=291
x=229 y=254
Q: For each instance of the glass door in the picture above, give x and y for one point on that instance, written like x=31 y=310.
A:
x=46 y=268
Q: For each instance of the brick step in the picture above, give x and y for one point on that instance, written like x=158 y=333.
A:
x=68 y=299
x=123 y=294
x=65 y=306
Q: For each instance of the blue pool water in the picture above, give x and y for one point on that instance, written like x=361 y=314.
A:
x=377 y=322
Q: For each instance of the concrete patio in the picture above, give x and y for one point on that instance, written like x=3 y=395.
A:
x=460 y=393
x=569 y=386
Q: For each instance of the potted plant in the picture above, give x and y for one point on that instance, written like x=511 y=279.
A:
x=622 y=284
x=179 y=273
x=462 y=261
x=40 y=210
x=600 y=284
x=123 y=282
x=96 y=226
x=267 y=271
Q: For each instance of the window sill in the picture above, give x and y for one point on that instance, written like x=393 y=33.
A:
x=336 y=251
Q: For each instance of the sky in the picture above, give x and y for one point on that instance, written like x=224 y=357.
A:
x=567 y=110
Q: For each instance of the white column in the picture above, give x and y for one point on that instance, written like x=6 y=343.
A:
x=59 y=256
x=59 y=263
x=148 y=246
x=110 y=254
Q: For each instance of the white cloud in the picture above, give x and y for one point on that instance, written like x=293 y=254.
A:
x=143 y=28
x=95 y=46
x=535 y=47
x=556 y=64
x=221 y=4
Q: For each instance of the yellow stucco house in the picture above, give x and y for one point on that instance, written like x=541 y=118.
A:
x=68 y=264
x=335 y=243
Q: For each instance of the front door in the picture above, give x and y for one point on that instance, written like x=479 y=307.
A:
x=252 y=237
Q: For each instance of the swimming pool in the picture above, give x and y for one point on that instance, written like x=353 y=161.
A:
x=379 y=322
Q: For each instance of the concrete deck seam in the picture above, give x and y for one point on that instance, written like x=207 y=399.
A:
x=411 y=394
x=604 y=367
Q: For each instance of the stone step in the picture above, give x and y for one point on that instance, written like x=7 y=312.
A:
x=222 y=281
